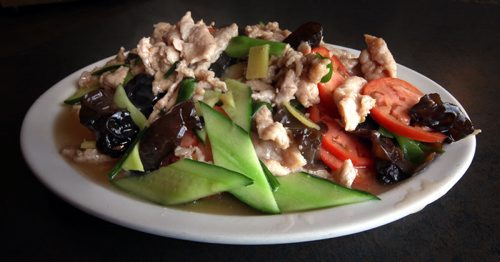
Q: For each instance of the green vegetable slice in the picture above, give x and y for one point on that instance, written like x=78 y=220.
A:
x=411 y=149
x=186 y=91
x=241 y=112
x=328 y=75
x=258 y=62
x=127 y=78
x=257 y=105
x=232 y=148
x=227 y=100
x=301 y=191
x=122 y=101
x=211 y=97
x=239 y=46
x=118 y=166
x=273 y=182
x=385 y=132
x=76 y=97
x=301 y=117
x=133 y=161
x=182 y=182
x=201 y=134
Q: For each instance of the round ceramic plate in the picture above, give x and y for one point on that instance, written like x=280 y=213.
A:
x=41 y=153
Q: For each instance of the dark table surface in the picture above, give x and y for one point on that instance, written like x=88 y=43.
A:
x=455 y=43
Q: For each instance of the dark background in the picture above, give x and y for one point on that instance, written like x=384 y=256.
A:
x=455 y=43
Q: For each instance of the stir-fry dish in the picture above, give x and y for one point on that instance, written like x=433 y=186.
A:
x=276 y=118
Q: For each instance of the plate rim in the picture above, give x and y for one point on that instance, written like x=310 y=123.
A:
x=228 y=229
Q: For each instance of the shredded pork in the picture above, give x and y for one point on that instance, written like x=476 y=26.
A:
x=191 y=152
x=91 y=156
x=194 y=45
x=270 y=31
x=270 y=130
x=377 y=61
x=112 y=80
x=347 y=173
x=280 y=162
x=297 y=76
x=262 y=91
x=353 y=106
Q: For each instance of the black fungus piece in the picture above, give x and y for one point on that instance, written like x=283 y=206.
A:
x=307 y=139
x=366 y=129
x=446 y=118
x=140 y=92
x=223 y=62
x=310 y=32
x=115 y=133
x=165 y=134
x=95 y=105
x=114 y=128
x=388 y=172
x=384 y=148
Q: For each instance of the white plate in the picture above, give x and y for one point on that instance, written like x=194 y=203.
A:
x=410 y=196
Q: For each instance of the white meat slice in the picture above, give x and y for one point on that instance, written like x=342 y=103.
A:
x=261 y=91
x=145 y=51
x=88 y=80
x=270 y=130
x=269 y=31
x=191 y=152
x=290 y=160
x=293 y=159
x=199 y=91
x=276 y=168
x=291 y=59
x=279 y=161
x=287 y=87
x=112 y=80
x=185 y=25
x=298 y=76
x=222 y=37
x=194 y=46
x=304 y=48
x=348 y=59
x=353 y=106
x=167 y=101
x=377 y=61
x=347 y=173
x=317 y=68
x=161 y=31
x=307 y=93
x=265 y=149
x=155 y=57
x=184 y=69
x=199 y=45
x=119 y=58
x=160 y=84
x=204 y=75
x=91 y=156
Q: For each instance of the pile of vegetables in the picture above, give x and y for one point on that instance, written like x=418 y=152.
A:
x=396 y=144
